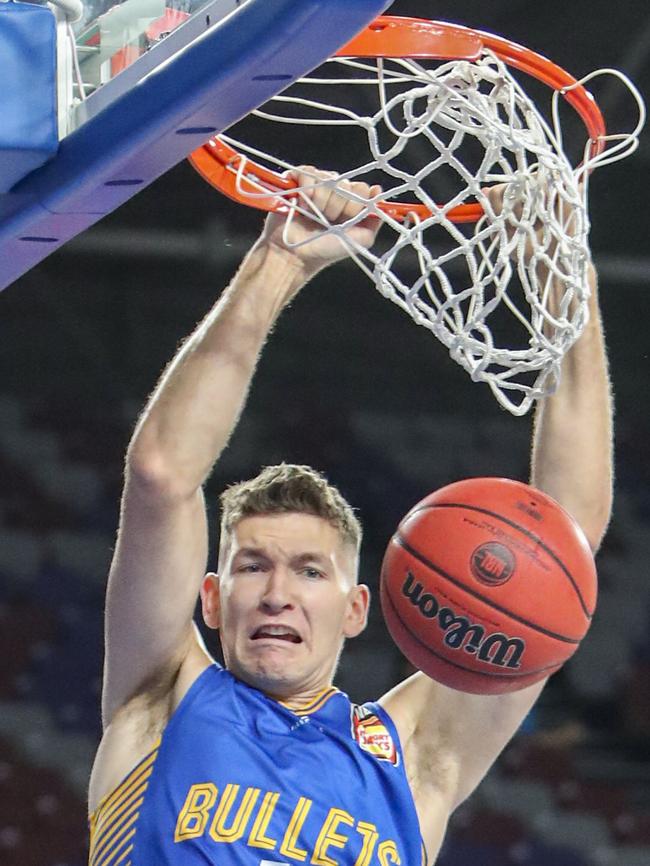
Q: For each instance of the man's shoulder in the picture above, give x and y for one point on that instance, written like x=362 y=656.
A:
x=138 y=725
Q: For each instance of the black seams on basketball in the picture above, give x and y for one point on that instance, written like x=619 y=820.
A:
x=488 y=585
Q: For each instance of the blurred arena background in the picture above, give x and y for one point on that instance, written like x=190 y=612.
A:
x=349 y=385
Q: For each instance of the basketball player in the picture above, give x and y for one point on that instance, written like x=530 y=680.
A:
x=264 y=761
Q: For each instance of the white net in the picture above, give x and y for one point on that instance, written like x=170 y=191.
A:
x=506 y=294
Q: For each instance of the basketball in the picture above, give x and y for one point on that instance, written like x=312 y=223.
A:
x=488 y=585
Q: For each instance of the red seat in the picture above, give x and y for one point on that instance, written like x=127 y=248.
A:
x=605 y=799
x=489 y=827
x=41 y=819
x=22 y=625
x=632 y=828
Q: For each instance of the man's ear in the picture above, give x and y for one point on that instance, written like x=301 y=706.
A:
x=210 y=600
x=356 y=617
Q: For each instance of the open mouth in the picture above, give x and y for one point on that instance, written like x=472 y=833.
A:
x=276 y=632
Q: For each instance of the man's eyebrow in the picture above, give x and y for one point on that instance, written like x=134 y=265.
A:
x=251 y=552
x=308 y=556
x=297 y=560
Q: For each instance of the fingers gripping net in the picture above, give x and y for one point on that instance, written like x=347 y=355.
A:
x=499 y=277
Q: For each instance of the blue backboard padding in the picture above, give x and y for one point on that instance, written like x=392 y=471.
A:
x=28 y=123
x=216 y=80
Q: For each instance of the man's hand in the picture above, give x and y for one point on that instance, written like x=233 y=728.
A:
x=540 y=250
x=303 y=238
x=565 y=214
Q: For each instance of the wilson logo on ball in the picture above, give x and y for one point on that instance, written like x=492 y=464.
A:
x=492 y=563
x=460 y=633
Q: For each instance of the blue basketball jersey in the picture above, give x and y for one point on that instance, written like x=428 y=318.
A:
x=239 y=779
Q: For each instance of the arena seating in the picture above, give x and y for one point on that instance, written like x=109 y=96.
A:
x=544 y=804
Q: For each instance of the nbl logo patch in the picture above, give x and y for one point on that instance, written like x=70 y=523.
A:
x=373 y=736
x=492 y=563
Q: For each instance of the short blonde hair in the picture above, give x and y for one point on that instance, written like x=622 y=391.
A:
x=288 y=487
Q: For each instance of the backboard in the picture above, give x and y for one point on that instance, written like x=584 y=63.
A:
x=148 y=82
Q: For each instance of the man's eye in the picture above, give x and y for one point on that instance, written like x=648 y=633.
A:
x=250 y=567
x=312 y=572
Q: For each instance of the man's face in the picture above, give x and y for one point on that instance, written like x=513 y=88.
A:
x=284 y=602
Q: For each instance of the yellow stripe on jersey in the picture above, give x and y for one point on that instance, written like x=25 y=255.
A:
x=107 y=839
x=147 y=761
x=320 y=700
x=116 y=811
x=123 y=857
x=110 y=855
x=111 y=824
x=119 y=811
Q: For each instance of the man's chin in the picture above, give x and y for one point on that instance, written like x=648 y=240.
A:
x=273 y=680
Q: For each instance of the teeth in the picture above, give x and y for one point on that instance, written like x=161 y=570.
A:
x=276 y=631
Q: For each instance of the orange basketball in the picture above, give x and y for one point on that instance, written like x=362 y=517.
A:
x=488 y=585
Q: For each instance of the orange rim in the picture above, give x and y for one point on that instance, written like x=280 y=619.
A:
x=390 y=36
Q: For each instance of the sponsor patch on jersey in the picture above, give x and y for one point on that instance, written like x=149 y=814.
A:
x=373 y=736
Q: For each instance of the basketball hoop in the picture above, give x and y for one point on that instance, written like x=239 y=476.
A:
x=446 y=100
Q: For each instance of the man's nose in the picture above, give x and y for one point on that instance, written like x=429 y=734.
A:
x=277 y=592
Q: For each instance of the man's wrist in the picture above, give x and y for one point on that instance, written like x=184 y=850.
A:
x=285 y=265
x=268 y=280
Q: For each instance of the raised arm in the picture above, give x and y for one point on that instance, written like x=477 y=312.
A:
x=451 y=739
x=572 y=455
x=161 y=551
